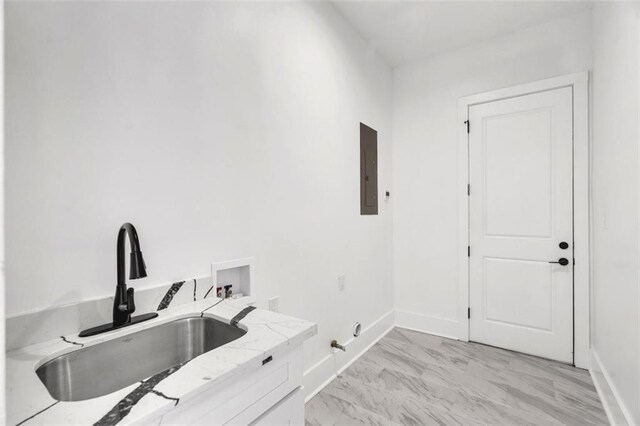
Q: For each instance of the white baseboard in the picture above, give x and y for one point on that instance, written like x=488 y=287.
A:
x=317 y=377
x=321 y=374
x=327 y=369
x=428 y=324
x=617 y=412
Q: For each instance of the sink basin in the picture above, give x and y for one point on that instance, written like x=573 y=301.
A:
x=112 y=365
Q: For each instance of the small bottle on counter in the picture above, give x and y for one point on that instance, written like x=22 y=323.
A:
x=227 y=291
x=219 y=292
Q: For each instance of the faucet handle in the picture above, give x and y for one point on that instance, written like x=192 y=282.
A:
x=131 y=306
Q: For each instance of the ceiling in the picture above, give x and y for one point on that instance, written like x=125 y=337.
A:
x=405 y=31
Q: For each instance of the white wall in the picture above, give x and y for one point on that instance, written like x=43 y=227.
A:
x=425 y=163
x=616 y=255
x=2 y=229
x=221 y=130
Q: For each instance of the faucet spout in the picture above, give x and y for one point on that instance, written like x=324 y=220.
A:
x=137 y=266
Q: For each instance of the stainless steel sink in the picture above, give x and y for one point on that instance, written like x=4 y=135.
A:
x=112 y=365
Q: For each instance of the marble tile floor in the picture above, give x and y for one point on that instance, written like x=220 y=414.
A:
x=412 y=378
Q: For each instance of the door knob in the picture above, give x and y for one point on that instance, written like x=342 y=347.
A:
x=564 y=245
x=562 y=261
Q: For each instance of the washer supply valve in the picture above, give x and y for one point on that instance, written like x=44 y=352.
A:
x=335 y=344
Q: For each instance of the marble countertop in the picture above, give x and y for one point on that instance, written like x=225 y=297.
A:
x=268 y=333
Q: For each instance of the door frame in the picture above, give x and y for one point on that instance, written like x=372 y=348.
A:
x=579 y=82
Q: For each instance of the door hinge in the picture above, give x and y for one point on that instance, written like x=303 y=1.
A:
x=468 y=123
x=468 y=251
x=469 y=313
x=468 y=189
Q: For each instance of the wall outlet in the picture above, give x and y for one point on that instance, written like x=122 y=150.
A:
x=341 y=283
x=274 y=304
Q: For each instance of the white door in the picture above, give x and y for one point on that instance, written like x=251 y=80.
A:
x=520 y=213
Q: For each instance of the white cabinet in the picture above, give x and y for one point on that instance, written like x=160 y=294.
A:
x=270 y=393
x=289 y=411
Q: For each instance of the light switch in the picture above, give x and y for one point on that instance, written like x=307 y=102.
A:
x=274 y=304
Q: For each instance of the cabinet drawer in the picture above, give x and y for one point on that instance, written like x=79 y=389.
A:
x=289 y=411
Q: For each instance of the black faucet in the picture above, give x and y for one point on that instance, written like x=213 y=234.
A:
x=123 y=302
